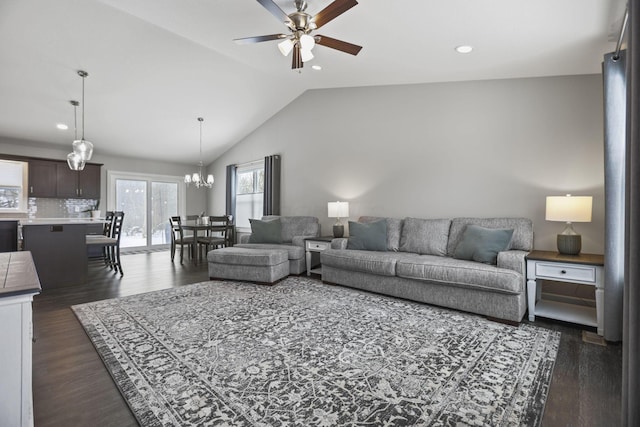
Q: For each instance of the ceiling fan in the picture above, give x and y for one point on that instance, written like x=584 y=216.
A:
x=301 y=24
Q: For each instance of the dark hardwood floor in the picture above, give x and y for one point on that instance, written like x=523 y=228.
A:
x=73 y=388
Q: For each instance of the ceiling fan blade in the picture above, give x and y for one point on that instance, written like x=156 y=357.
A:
x=275 y=11
x=350 y=48
x=335 y=9
x=296 y=61
x=258 y=39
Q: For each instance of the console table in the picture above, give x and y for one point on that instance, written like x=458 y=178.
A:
x=585 y=269
x=18 y=284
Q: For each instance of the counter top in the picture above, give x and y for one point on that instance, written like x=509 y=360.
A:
x=61 y=221
x=18 y=274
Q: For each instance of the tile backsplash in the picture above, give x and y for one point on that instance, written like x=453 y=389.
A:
x=59 y=208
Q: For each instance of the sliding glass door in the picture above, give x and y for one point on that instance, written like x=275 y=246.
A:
x=147 y=201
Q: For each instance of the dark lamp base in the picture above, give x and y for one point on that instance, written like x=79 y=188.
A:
x=569 y=244
x=338 y=230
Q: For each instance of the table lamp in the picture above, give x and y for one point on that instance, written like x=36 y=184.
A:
x=338 y=210
x=569 y=209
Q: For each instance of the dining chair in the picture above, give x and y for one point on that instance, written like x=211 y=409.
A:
x=217 y=233
x=178 y=237
x=110 y=242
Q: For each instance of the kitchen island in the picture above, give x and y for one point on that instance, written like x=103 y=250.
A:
x=59 y=249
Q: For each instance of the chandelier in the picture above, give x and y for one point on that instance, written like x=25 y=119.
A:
x=82 y=149
x=197 y=178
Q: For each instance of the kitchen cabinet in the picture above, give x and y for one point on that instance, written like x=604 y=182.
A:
x=42 y=178
x=54 y=179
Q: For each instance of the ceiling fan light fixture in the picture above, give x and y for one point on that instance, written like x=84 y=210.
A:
x=285 y=47
x=306 y=55
x=307 y=42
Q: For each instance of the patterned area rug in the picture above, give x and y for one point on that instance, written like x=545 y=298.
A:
x=307 y=354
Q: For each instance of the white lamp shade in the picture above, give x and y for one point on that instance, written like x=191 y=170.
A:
x=83 y=148
x=285 y=46
x=338 y=209
x=569 y=208
x=209 y=179
x=307 y=42
x=306 y=55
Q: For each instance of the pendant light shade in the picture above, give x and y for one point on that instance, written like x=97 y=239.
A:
x=197 y=178
x=74 y=160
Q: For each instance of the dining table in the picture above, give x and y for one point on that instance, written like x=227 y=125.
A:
x=199 y=225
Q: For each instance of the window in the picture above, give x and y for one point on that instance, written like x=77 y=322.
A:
x=13 y=182
x=147 y=201
x=249 y=192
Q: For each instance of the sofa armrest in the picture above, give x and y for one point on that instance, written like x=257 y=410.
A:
x=244 y=238
x=513 y=260
x=339 y=243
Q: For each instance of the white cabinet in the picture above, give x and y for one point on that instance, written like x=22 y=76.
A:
x=315 y=244
x=584 y=269
x=18 y=285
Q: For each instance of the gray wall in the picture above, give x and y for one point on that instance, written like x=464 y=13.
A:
x=484 y=148
x=196 y=199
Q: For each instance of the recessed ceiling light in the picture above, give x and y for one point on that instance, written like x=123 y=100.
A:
x=316 y=67
x=62 y=126
x=464 y=49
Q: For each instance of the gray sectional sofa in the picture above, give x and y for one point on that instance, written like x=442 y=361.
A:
x=419 y=264
x=294 y=230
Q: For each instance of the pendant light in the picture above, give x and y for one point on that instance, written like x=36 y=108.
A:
x=74 y=160
x=197 y=178
x=81 y=146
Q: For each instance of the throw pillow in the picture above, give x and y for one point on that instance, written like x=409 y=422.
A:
x=482 y=244
x=425 y=236
x=265 y=231
x=371 y=236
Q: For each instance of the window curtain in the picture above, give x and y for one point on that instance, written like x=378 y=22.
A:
x=631 y=319
x=615 y=110
x=231 y=192
x=271 y=201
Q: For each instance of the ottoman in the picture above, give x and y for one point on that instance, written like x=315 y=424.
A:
x=252 y=265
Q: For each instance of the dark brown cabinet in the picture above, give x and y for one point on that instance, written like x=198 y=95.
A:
x=42 y=178
x=55 y=179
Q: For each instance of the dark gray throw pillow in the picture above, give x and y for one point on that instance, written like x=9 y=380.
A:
x=371 y=236
x=482 y=244
x=265 y=231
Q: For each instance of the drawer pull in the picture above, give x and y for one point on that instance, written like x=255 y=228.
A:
x=563 y=271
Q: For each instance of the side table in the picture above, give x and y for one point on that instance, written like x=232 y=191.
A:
x=585 y=269
x=316 y=244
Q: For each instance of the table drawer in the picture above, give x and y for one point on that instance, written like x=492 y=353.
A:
x=566 y=272
x=313 y=245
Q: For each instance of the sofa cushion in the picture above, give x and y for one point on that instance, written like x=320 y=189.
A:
x=482 y=244
x=458 y=272
x=394 y=230
x=522 y=231
x=294 y=252
x=296 y=226
x=370 y=236
x=382 y=263
x=425 y=236
x=265 y=231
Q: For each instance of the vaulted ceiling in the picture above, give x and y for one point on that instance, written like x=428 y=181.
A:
x=156 y=65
